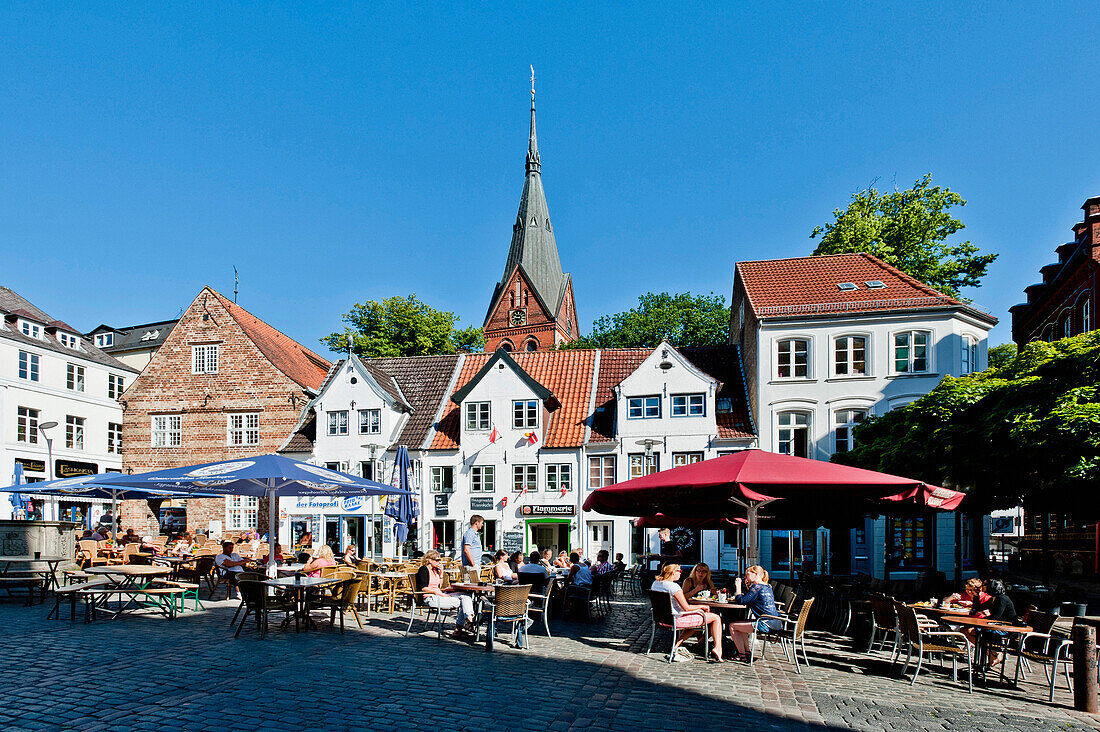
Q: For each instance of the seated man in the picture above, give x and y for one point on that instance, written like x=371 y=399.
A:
x=602 y=565
x=579 y=574
x=534 y=566
x=230 y=562
x=619 y=563
x=129 y=537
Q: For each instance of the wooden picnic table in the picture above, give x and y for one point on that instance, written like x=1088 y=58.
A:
x=51 y=562
x=131 y=579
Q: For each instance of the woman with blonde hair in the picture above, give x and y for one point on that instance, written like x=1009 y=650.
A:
x=758 y=598
x=431 y=581
x=688 y=616
x=323 y=558
x=699 y=581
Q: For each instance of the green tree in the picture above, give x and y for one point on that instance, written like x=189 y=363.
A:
x=908 y=229
x=402 y=326
x=682 y=319
x=1000 y=355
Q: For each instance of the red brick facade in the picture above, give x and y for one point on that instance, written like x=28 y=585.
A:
x=247 y=381
x=541 y=329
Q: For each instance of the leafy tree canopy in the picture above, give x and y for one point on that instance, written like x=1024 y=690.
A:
x=402 y=326
x=683 y=319
x=1000 y=355
x=908 y=229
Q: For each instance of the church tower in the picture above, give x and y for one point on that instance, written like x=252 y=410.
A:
x=532 y=307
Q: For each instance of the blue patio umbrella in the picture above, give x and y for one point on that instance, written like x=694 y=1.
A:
x=404 y=510
x=16 y=498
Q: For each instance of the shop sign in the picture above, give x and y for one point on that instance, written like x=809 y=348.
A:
x=441 y=503
x=35 y=466
x=73 y=469
x=482 y=503
x=556 y=509
x=348 y=504
x=513 y=541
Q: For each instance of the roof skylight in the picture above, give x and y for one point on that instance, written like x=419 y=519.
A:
x=847 y=286
x=875 y=284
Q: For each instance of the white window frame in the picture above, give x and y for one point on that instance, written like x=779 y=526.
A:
x=680 y=459
x=911 y=347
x=204 y=358
x=692 y=405
x=794 y=426
x=601 y=471
x=103 y=340
x=242 y=429
x=525 y=414
x=644 y=407
x=74 y=377
x=69 y=341
x=842 y=430
x=338 y=423
x=969 y=364
x=114 y=438
x=479 y=416
x=165 y=430
x=29 y=329
x=115 y=386
x=792 y=358
x=29 y=364
x=483 y=479
x=26 y=421
x=1086 y=314
x=370 y=421
x=558 y=476
x=438 y=485
x=241 y=512
x=525 y=476
x=74 y=432
x=644 y=463
x=849 y=350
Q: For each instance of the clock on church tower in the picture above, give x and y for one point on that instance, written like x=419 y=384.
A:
x=519 y=317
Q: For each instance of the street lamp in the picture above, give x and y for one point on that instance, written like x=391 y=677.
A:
x=42 y=427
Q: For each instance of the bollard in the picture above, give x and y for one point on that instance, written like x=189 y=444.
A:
x=1084 y=669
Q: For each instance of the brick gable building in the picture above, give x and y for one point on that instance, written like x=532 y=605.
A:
x=224 y=384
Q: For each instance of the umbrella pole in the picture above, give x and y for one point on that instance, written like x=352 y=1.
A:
x=272 y=529
x=790 y=556
x=753 y=552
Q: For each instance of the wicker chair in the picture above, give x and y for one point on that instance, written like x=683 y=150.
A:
x=244 y=577
x=923 y=640
x=884 y=620
x=1048 y=650
x=418 y=605
x=540 y=598
x=257 y=602
x=341 y=600
x=509 y=605
x=661 y=616
x=88 y=554
x=792 y=631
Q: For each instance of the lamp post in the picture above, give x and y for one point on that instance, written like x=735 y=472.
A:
x=374 y=502
x=42 y=427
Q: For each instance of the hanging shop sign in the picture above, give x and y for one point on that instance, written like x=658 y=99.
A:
x=441 y=503
x=556 y=509
x=34 y=466
x=482 y=503
x=72 y=469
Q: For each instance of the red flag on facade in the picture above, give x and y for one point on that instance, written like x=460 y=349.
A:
x=532 y=438
x=494 y=435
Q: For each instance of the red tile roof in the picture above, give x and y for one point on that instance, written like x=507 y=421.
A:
x=299 y=363
x=808 y=286
x=568 y=374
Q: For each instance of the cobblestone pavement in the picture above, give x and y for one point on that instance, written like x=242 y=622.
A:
x=188 y=675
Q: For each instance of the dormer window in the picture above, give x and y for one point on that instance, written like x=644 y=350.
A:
x=689 y=405
x=647 y=407
x=31 y=330
x=102 y=340
x=69 y=341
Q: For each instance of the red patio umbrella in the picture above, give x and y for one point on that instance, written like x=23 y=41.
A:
x=750 y=479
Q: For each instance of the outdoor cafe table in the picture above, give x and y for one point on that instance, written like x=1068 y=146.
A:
x=51 y=562
x=392 y=580
x=985 y=624
x=299 y=587
x=129 y=577
x=479 y=592
x=289 y=569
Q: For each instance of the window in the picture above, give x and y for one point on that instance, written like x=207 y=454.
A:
x=243 y=429
x=370 y=421
x=601 y=471
x=525 y=414
x=689 y=405
x=167 y=430
x=204 y=359
x=524 y=478
x=793 y=434
x=338 y=423
x=969 y=354
x=102 y=340
x=911 y=541
x=74 y=377
x=30 y=329
x=478 y=416
x=26 y=425
x=443 y=479
x=647 y=407
x=114 y=438
x=115 y=386
x=1086 y=316
x=240 y=512
x=792 y=358
x=74 y=432
x=366 y=469
x=69 y=341
x=482 y=479
x=686 y=458
x=1065 y=327
x=911 y=352
x=559 y=478
x=338 y=467
x=28 y=366
x=846 y=420
x=644 y=464
x=850 y=356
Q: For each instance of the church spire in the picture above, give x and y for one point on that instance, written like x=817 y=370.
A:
x=533 y=165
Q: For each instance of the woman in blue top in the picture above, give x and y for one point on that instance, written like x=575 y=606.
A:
x=759 y=599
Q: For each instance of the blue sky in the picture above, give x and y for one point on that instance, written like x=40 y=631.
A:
x=340 y=153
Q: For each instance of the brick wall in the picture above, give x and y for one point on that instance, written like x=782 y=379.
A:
x=541 y=325
x=246 y=382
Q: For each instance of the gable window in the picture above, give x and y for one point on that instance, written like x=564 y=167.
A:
x=240 y=512
x=850 y=356
x=28 y=366
x=525 y=414
x=911 y=352
x=443 y=479
x=793 y=433
x=370 y=421
x=559 y=478
x=204 y=359
x=338 y=423
x=686 y=458
x=26 y=425
x=114 y=438
x=969 y=354
x=647 y=407
x=482 y=479
x=74 y=432
x=243 y=429
x=525 y=478
x=115 y=386
x=689 y=405
x=103 y=340
x=601 y=471
x=478 y=416
x=166 y=430
x=69 y=341
x=644 y=464
x=792 y=357
x=74 y=377
x=30 y=329
x=846 y=421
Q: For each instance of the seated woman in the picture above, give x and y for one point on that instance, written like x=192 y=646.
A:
x=322 y=558
x=351 y=556
x=431 y=581
x=699 y=581
x=278 y=555
x=184 y=546
x=562 y=561
x=547 y=560
x=501 y=571
x=687 y=615
x=972 y=593
x=759 y=599
x=998 y=606
x=515 y=561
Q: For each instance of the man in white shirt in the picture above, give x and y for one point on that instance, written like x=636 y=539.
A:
x=533 y=567
x=230 y=563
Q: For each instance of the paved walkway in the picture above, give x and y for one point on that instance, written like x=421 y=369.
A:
x=190 y=675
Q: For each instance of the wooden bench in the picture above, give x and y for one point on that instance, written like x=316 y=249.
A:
x=25 y=580
x=71 y=591
x=164 y=598
x=189 y=589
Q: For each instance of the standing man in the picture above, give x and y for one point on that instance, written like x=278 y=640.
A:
x=471 y=549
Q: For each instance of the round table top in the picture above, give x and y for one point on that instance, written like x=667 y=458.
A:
x=129 y=570
x=467 y=587
x=714 y=603
x=31 y=558
x=986 y=624
x=941 y=610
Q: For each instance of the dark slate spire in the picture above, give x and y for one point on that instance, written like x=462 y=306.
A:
x=533 y=244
